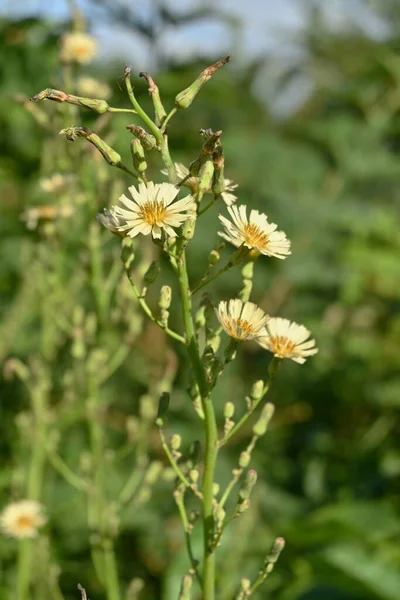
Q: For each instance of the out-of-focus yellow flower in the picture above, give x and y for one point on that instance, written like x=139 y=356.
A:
x=92 y=88
x=22 y=519
x=78 y=47
x=288 y=339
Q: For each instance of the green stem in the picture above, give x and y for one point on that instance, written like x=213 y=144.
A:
x=140 y=112
x=210 y=425
x=208 y=280
x=175 y=466
x=111 y=572
x=148 y=311
x=97 y=275
x=273 y=368
x=180 y=502
x=64 y=470
x=167 y=119
x=111 y=109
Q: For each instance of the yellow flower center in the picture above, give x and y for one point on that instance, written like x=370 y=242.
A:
x=282 y=346
x=153 y=212
x=254 y=236
x=24 y=522
x=239 y=328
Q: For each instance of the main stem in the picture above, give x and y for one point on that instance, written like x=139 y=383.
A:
x=210 y=426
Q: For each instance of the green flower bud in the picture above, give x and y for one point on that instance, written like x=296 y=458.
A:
x=138 y=157
x=159 y=109
x=229 y=410
x=175 y=441
x=186 y=588
x=153 y=472
x=244 y=459
x=205 y=175
x=152 y=273
x=215 y=488
x=248 y=485
x=194 y=475
x=264 y=419
x=215 y=255
x=188 y=229
x=165 y=297
x=109 y=154
x=257 y=390
x=218 y=183
x=185 y=98
x=98 y=106
x=148 y=141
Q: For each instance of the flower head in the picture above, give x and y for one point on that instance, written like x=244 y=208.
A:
x=79 y=47
x=193 y=183
x=22 y=519
x=152 y=210
x=286 y=339
x=255 y=232
x=55 y=183
x=92 y=88
x=242 y=320
x=111 y=221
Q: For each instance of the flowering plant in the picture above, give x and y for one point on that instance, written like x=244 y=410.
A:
x=211 y=328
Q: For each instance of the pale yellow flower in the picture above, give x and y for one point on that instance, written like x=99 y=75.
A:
x=109 y=219
x=286 y=339
x=254 y=232
x=193 y=183
x=22 y=519
x=153 y=209
x=242 y=320
x=92 y=88
x=79 y=47
x=55 y=183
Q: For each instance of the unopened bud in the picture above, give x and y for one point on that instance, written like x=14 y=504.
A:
x=185 y=98
x=215 y=255
x=175 y=441
x=98 y=106
x=205 y=175
x=215 y=488
x=153 y=473
x=219 y=515
x=165 y=297
x=138 y=157
x=248 y=485
x=257 y=390
x=109 y=154
x=264 y=419
x=152 y=273
x=229 y=410
x=159 y=110
x=148 y=141
x=188 y=229
x=186 y=587
x=218 y=183
x=194 y=475
x=244 y=459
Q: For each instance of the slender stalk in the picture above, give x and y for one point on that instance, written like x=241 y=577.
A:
x=273 y=368
x=34 y=483
x=180 y=502
x=210 y=425
x=211 y=278
x=111 y=109
x=111 y=572
x=178 y=472
x=167 y=119
x=97 y=275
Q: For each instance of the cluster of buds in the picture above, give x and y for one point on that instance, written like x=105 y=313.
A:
x=229 y=411
x=257 y=391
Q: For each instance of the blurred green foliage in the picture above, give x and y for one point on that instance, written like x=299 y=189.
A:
x=329 y=175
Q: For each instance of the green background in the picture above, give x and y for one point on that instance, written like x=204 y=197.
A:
x=328 y=173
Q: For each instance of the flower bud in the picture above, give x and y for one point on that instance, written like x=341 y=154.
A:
x=147 y=140
x=152 y=273
x=159 y=110
x=244 y=459
x=188 y=229
x=205 y=176
x=218 y=183
x=185 y=98
x=98 y=106
x=194 y=475
x=153 y=472
x=257 y=390
x=215 y=488
x=229 y=410
x=138 y=157
x=186 y=587
x=175 y=441
x=165 y=297
x=215 y=255
x=247 y=487
x=264 y=419
x=109 y=154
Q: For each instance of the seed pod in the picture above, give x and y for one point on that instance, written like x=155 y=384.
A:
x=148 y=141
x=154 y=92
x=262 y=424
x=138 y=157
x=98 y=106
x=185 y=98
